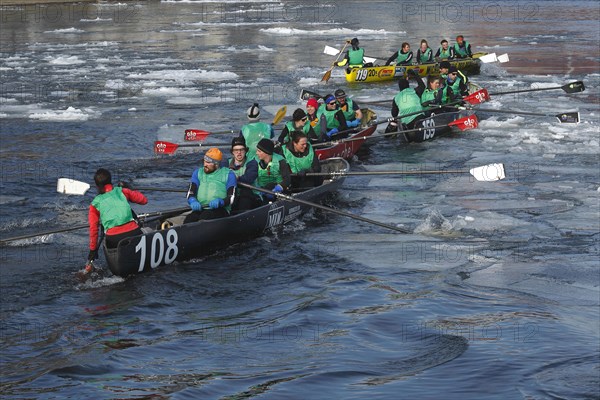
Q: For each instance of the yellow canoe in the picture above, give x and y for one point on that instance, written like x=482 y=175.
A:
x=469 y=66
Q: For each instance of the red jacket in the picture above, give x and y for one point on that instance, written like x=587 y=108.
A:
x=94 y=216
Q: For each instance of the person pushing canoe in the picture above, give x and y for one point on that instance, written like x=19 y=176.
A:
x=110 y=208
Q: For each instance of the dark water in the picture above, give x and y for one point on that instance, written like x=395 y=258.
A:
x=494 y=295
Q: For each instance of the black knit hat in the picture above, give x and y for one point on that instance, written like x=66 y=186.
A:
x=238 y=141
x=266 y=146
x=298 y=114
x=445 y=64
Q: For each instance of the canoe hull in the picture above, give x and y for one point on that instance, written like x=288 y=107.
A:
x=181 y=242
x=434 y=126
x=469 y=66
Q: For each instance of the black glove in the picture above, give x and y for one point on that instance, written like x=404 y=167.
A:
x=124 y=184
x=93 y=255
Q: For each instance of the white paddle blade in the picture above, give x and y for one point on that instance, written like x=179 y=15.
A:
x=332 y=51
x=488 y=173
x=503 y=58
x=70 y=186
x=369 y=59
x=488 y=58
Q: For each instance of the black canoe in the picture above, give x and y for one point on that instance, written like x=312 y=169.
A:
x=167 y=240
x=434 y=126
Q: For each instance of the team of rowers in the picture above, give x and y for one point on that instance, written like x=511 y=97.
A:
x=355 y=57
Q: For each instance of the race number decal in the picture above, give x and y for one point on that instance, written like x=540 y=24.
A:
x=429 y=132
x=361 y=75
x=161 y=249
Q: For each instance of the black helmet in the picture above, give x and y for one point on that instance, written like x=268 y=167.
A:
x=354 y=42
x=238 y=141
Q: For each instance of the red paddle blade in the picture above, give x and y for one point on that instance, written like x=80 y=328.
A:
x=478 y=97
x=195 y=134
x=465 y=123
x=161 y=147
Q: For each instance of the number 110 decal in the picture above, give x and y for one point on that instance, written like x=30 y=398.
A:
x=158 y=252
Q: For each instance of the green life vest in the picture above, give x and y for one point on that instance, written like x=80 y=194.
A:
x=425 y=56
x=241 y=171
x=428 y=95
x=444 y=53
x=401 y=57
x=253 y=133
x=212 y=186
x=298 y=164
x=355 y=57
x=113 y=207
x=462 y=51
x=329 y=115
x=349 y=112
x=291 y=128
x=408 y=102
x=271 y=173
x=315 y=125
x=455 y=86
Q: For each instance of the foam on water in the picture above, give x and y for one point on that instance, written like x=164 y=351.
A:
x=186 y=76
x=66 y=30
x=70 y=114
x=330 y=32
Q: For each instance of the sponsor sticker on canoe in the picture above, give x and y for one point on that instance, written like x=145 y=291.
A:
x=386 y=72
x=399 y=71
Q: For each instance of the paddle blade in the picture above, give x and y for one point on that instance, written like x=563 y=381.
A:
x=279 y=115
x=488 y=58
x=574 y=87
x=331 y=51
x=478 y=97
x=465 y=123
x=195 y=134
x=369 y=59
x=327 y=76
x=568 y=118
x=488 y=173
x=503 y=58
x=70 y=186
x=161 y=147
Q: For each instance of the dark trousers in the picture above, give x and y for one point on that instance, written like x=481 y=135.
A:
x=245 y=199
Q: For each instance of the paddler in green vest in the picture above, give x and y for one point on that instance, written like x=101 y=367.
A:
x=432 y=93
x=255 y=130
x=301 y=158
x=349 y=107
x=110 y=208
x=445 y=52
x=273 y=170
x=332 y=119
x=406 y=103
x=212 y=189
x=402 y=57
x=457 y=82
x=424 y=53
x=462 y=48
x=354 y=57
x=298 y=123
x=312 y=105
x=246 y=171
